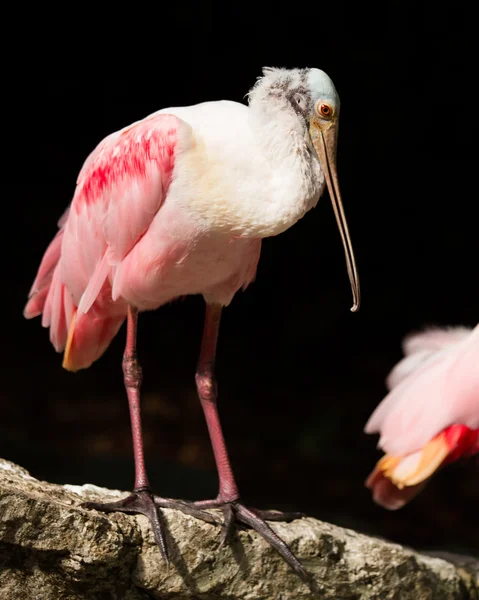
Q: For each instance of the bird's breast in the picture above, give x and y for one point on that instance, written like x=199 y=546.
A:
x=235 y=188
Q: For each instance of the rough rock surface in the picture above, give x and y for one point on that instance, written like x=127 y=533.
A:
x=51 y=548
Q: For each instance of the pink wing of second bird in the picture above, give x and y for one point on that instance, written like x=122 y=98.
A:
x=430 y=416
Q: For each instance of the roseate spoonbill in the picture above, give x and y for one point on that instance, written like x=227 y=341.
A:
x=178 y=204
x=431 y=415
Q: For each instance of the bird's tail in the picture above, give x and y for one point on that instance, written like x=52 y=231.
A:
x=84 y=338
x=387 y=494
x=88 y=338
x=397 y=479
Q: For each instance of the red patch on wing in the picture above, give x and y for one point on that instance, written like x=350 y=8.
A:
x=127 y=156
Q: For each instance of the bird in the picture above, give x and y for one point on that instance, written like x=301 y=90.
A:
x=430 y=417
x=177 y=204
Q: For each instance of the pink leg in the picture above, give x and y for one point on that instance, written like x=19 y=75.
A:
x=132 y=374
x=141 y=500
x=228 y=495
x=207 y=391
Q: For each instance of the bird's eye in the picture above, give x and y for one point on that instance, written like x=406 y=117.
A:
x=324 y=110
x=299 y=99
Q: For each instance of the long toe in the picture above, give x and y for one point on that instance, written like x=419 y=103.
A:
x=234 y=512
x=137 y=503
x=250 y=518
x=277 y=515
x=228 y=525
x=188 y=508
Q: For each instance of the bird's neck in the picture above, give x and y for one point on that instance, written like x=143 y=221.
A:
x=297 y=179
x=278 y=129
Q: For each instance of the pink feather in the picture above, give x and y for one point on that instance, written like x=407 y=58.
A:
x=121 y=187
x=439 y=390
x=125 y=240
x=430 y=416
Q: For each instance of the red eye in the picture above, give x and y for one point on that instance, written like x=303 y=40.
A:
x=325 y=110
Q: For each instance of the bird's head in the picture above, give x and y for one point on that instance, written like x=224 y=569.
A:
x=310 y=99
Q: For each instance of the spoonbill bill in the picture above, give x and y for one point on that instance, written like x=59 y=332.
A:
x=430 y=417
x=177 y=204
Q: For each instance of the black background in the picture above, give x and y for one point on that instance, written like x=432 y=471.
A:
x=298 y=373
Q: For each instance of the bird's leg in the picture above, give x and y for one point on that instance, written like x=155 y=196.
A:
x=228 y=495
x=140 y=501
x=207 y=392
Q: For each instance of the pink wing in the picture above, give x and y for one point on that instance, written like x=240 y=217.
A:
x=119 y=191
x=435 y=386
x=418 y=347
x=120 y=188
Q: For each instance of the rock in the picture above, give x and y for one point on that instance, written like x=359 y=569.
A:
x=51 y=548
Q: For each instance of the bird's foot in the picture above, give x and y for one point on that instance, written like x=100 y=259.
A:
x=142 y=502
x=235 y=512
